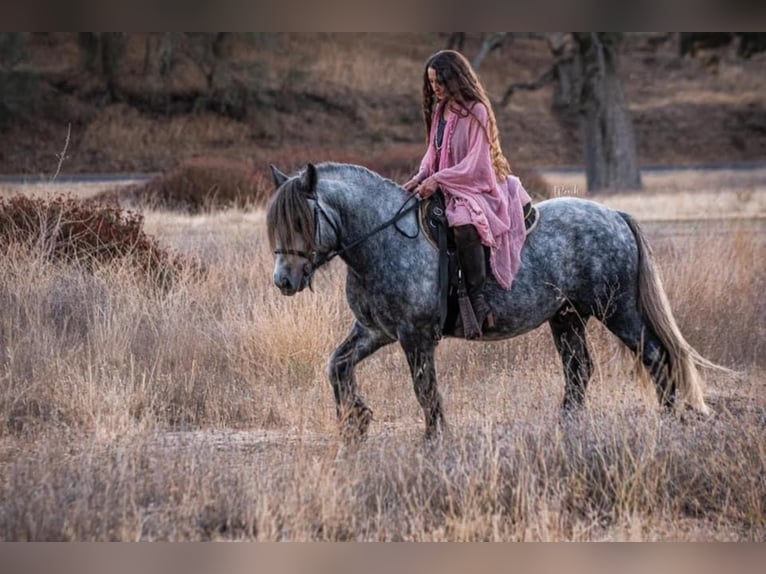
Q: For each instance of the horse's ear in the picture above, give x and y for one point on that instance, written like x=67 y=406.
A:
x=309 y=179
x=279 y=177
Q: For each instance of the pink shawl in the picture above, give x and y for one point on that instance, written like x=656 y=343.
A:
x=472 y=193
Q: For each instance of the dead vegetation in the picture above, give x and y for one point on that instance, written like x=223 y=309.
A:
x=196 y=186
x=203 y=412
x=65 y=229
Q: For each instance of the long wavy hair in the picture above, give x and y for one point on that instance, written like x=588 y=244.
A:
x=459 y=80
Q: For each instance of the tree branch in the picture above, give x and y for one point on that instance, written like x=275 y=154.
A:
x=542 y=81
x=62 y=156
x=456 y=41
x=491 y=42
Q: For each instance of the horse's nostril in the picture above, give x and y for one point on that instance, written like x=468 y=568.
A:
x=282 y=282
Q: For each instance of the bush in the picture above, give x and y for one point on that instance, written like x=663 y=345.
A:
x=64 y=229
x=197 y=186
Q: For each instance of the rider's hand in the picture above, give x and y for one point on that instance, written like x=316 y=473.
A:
x=427 y=188
x=410 y=185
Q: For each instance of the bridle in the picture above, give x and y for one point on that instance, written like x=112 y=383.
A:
x=317 y=259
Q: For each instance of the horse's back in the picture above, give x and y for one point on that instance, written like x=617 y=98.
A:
x=579 y=249
x=590 y=228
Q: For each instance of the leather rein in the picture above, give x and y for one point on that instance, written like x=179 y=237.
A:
x=317 y=259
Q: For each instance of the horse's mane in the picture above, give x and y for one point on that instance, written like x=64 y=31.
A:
x=290 y=217
x=350 y=171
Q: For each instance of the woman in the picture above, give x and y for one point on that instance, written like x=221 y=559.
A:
x=464 y=159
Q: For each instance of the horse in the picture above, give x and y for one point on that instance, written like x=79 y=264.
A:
x=583 y=260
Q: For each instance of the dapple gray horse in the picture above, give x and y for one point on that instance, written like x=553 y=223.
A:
x=582 y=260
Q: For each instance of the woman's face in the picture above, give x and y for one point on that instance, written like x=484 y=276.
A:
x=437 y=88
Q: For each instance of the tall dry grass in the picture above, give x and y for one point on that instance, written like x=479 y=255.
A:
x=203 y=412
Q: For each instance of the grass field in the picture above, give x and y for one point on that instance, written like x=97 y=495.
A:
x=203 y=411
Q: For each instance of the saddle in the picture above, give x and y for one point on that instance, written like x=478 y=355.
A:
x=433 y=222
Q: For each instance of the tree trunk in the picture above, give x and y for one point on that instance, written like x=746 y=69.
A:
x=456 y=41
x=568 y=76
x=90 y=47
x=112 y=52
x=492 y=41
x=610 y=149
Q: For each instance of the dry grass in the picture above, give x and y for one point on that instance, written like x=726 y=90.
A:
x=351 y=60
x=679 y=193
x=126 y=140
x=204 y=412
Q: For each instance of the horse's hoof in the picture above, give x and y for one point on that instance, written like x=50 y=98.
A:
x=435 y=435
x=688 y=414
x=355 y=424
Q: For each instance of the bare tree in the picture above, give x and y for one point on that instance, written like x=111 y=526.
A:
x=19 y=85
x=102 y=53
x=492 y=41
x=456 y=41
x=610 y=148
x=12 y=48
x=751 y=43
x=206 y=50
x=588 y=94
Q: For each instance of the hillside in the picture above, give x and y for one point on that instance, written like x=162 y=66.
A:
x=355 y=97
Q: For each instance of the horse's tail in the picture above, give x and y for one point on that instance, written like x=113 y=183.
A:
x=653 y=302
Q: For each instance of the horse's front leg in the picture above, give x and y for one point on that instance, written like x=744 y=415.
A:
x=419 y=348
x=354 y=416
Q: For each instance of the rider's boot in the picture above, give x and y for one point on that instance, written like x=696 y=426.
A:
x=470 y=252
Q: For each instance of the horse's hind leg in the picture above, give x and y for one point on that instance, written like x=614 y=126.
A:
x=419 y=349
x=353 y=413
x=632 y=330
x=568 y=328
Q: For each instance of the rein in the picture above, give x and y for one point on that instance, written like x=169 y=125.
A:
x=317 y=260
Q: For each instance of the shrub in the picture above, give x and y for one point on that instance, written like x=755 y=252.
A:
x=196 y=186
x=65 y=229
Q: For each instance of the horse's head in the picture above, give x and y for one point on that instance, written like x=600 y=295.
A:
x=291 y=222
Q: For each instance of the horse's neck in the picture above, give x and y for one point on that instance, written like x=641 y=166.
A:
x=367 y=201
x=363 y=206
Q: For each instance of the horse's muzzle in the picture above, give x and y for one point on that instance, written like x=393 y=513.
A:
x=287 y=289
x=287 y=286
x=290 y=283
